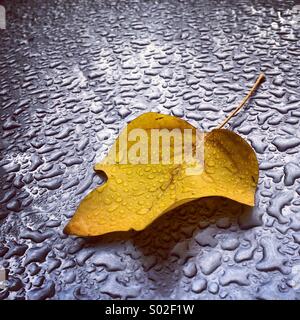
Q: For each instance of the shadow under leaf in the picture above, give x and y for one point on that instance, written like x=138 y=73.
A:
x=176 y=225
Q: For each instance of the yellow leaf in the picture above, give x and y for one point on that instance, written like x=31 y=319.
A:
x=136 y=194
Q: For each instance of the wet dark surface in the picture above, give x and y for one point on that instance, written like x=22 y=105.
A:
x=74 y=72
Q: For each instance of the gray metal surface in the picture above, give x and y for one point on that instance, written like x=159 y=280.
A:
x=74 y=72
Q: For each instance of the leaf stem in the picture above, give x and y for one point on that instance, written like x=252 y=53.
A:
x=257 y=83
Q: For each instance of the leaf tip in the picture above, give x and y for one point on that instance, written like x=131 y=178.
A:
x=67 y=229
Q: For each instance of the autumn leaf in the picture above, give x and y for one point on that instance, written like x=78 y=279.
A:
x=136 y=194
